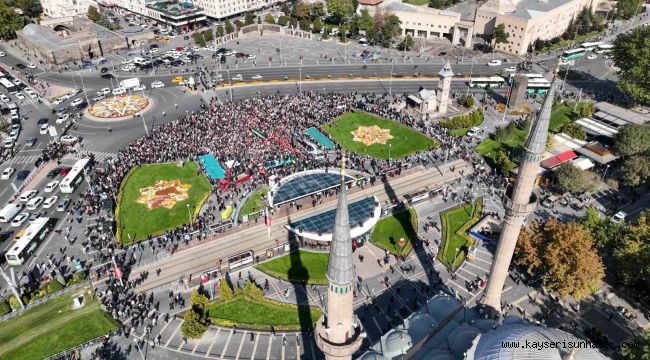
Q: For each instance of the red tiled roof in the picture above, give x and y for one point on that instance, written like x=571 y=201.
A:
x=370 y=2
x=558 y=159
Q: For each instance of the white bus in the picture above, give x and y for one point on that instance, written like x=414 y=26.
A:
x=487 y=82
x=27 y=241
x=604 y=48
x=538 y=86
x=11 y=87
x=573 y=54
x=74 y=178
x=529 y=76
x=590 y=46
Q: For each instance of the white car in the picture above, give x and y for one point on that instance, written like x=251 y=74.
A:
x=510 y=69
x=6 y=174
x=49 y=202
x=14 y=134
x=141 y=87
x=195 y=48
x=2 y=54
x=128 y=67
x=20 y=96
x=153 y=50
x=62 y=118
x=51 y=186
x=19 y=220
x=28 y=195
x=76 y=102
x=157 y=84
x=592 y=57
x=34 y=203
x=118 y=91
x=104 y=91
x=619 y=217
x=238 y=77
x=31 y=93
x=494 y=63
x=127 y=61
x=17 y=82
x=256 y=77
x=4 y=98
x=68 y=139
x=31 y=66
x=473 y=131
x=43 y=130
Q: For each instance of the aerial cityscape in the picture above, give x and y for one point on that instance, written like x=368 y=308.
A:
x=325 y=179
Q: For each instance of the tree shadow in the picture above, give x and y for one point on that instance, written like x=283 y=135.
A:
x=297 y=270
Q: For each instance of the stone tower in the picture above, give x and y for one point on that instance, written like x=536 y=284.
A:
x=444 y=86
x=519 y=202
x=338 y=331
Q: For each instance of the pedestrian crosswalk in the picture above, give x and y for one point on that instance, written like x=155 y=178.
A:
x=99 y=156
x=23 y=159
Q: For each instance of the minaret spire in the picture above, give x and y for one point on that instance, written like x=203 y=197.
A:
x=520 y=202
x=338 y=331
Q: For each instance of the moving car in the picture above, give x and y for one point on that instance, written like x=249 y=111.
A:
x=157 y=84
x=31 y=66
x=35 y=216
x=64 y=171
x=51 y=186
x=473 y=131
x=250 y=57
x=2 y=54
x=28 y=195
x=494 y=63
x=34 y=203
x=68 y=139
x=99 y=97
x=141 y=87
x=63 y=204
x=238 y=77
x=62 y=118
x=104 y=91
x=20 y=219
x=42 y=121
x=118 y=91
x=591 y=57
x=177 y=80
x=31 y=141
x=256 y=77
x=22 y=175
x=53 y=173
x=510 y=69
x=43 y=129
x=49 y=202
x=76 y=102
x=6 y=174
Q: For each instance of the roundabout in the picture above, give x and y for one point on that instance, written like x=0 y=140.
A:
x=119 y=107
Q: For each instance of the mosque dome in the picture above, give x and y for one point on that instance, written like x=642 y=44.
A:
x=397 y=342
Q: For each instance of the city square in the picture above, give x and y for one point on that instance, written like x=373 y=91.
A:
x=339 y=180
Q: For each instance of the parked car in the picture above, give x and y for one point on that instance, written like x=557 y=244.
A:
x=43 y=130
x=238 y=77
x=619 y=217
x=6 y=174
x=473 y=131
x=42 y=121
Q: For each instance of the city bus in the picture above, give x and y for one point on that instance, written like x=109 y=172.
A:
x=11 y=87
x=74 y=178
x=529 y=76
x=573 y=54
x=28 y=241
x=604 y=48
x=590 y=46
x=538 y=86
x=487 y=82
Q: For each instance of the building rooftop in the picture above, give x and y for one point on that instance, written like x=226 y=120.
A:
x=524 y=9
x=618 y=115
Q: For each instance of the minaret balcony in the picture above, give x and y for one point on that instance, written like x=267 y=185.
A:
x=520 y=209
x=338 y=349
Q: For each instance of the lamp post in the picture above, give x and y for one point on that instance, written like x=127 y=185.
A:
x=390 y=83
x=137 y=346
x=189 y=215
x=605 y=173
x=389 y=147
x=144 y=123
x=454 y=261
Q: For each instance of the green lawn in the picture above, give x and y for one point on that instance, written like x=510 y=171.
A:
x=452 y=221
x=299 y=266
x=53 y=327
x=245 y=312
x=389 y=230
x=417 y=2
x=405 y=140
x=490 y=147
x=459 y=132
x=135 y=221
x=254 y=204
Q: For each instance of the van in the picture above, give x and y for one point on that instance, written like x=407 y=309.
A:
x=494 y=63
x=34 y=203
x=9 y=212
x=119 y=91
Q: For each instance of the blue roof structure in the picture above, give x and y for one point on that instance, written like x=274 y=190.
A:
x=301 y=185
x=359 y=212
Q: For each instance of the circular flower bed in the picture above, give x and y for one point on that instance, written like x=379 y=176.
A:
x=119 y=106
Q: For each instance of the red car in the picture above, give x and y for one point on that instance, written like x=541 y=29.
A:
x=180 y=48
x=64 y=171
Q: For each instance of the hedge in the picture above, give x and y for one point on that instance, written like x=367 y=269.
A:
x=475 y=118
x=462 y=231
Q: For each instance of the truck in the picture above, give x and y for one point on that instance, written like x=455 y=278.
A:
x=131 y=83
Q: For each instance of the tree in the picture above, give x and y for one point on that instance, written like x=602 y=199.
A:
x=570 y=32
x=193 y=326
x=198 y=39
x=220 y=31
x=437 y=4
x=326 y=32
x=632 y=256
x=365 y=22
x=341 y=9
x=632 y=139
x=208 y=35
x=641 y=352
x=571 y=179
x=9 y=21
x=93 y=14
x=285 y=9
x=293 y=22
x=586 y=111
x=317 y=9
x=305 y=25
x=499 y=35
x=632 y=57
x=269 y=19
x=283 y=20
x=575 y=131
x=606 y=233
x=564 y=256
x=406 y=44
x=389 y=29
x=636 y=170
x=343 y=33
x=225 y=292
x=30 y=8
x=301 y=10
x=317 y=27
x=628 y=8
x=229 y=27
x=249 y=19
x=239 y=24
x=584 y=21
x=503 y=163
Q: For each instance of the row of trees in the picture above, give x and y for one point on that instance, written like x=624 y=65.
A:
x=586 y=22
x=631 y=57
x=101 y=19
x=633 y=143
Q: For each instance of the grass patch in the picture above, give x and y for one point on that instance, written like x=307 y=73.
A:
x=299 y=266
x=245 y=312
x=489 y=147
x=417 y=2
x=455 y=223
x=405 y=140
x=53 y=327
x=135 y=221
x=254 y=204
x=459 y=132
x=389 y=230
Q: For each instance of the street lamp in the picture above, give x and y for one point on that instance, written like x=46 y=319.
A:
x=189 y=215
x=389 y=147
x=144 y=123
x=137 y=346
x=605 y=173
x=455 y=256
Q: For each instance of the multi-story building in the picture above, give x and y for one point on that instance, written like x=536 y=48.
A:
x=65 y=8
x=175 y=14
x=526 y=21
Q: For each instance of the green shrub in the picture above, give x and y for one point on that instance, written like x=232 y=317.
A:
x=54 y=286
x=76 y=278
x=14 y=303
x=225 y=292
x=474 y=118
x=5 y=308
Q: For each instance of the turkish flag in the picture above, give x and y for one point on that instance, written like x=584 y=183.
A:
x=118 y=272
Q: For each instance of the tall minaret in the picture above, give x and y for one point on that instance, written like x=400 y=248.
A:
x=444 y=86
x=338 y=331
x=519 y=202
